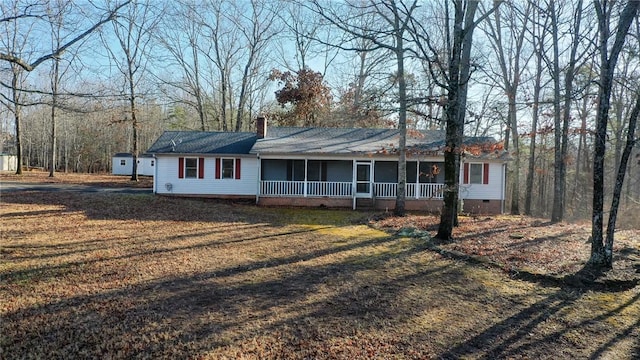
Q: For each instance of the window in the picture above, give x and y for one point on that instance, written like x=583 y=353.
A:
x=191 y=168
x=152 y=163
x=227 y=168
x=476 y=173
x=123 y=162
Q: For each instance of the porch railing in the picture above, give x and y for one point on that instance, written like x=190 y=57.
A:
x=416 y=191
x=345 y=189
x=313 y=188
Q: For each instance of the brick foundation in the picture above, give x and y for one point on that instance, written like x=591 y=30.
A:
x=429 y=206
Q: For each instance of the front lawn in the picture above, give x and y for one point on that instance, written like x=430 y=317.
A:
x=141 y=276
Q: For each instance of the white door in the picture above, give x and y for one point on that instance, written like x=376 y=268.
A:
x=363 y=180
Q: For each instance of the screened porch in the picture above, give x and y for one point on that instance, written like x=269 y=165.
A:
x=348 y=178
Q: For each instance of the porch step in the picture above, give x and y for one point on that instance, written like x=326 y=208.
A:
x=365 y=204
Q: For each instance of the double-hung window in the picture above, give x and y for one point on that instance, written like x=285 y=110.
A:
x=190 y=168
x=475 y=173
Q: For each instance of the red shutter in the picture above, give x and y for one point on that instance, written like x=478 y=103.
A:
x=200 y=168
x=217 y=168
x=465 y=176
x=180 y=168
x=485 y=174
x=237 y=168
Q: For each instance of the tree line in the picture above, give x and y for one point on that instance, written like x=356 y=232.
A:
x=554 y=81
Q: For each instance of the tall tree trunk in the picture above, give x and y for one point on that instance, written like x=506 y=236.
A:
x=459 y=72
x=622 y=168
x=402 y=126
x=602 y=257
x=55 y=79
x=17 y=114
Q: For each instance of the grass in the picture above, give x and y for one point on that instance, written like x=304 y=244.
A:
x=142 y=276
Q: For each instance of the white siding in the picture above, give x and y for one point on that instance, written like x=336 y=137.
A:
x=167 y=173
x=8 y=163
x=117 y=169
x=490 y=191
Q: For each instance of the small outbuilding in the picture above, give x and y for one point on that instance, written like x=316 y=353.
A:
x=122 y=164
x=8 y=162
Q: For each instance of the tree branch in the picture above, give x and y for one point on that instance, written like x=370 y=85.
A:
x=30 y=67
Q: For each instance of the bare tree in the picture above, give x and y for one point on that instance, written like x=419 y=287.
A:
x=396 y=18
x=30 y=66
x=507 y=41
x=133 y=33
x=257 y=28
x=601 y=252
x=457 y=62
x=183 y=44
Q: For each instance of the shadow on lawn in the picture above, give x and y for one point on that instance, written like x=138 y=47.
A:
x=298 y=306
x=514 y=335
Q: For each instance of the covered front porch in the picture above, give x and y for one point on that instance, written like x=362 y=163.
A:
x=348 y=179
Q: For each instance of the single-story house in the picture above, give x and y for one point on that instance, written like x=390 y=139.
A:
x=332 y=167
x=122 y=164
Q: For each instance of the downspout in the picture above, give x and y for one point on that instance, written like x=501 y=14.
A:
x=353 y=182
x=259 y=177
x=502 y=190
x=155 y=174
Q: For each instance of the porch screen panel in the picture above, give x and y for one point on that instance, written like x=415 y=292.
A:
x=385 y=172
x=412 y=171
x=295 y=170
x=315 y=170
x=273 y=170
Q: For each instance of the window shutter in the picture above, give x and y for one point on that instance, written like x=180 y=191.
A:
x=217 y=168
x=200 y=168
x=238 y=168
x=465 y=176
x=485 y=174
x=180 y=168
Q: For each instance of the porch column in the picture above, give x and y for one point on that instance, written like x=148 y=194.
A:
x=417 y=181
x=305 y=177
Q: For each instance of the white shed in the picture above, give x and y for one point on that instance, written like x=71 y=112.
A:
x=8 y=162
x=146 y=165
x=122 y=164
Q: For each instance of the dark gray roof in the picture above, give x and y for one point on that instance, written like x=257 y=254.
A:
x=123 y=155
x=203 y=142
x=292 y=140
x=321 y=141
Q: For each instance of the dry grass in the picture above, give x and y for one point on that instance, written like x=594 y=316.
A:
x=140 y=276
x=104 y=180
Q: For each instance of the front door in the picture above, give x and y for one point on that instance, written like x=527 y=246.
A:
x=363 y=180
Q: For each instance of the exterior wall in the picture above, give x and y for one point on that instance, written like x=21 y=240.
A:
x=118 y=169
x=167 y=182
x=8 y=163
x=146 y=166
x=491 y=191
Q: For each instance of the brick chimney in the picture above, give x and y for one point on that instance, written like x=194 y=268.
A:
x=261 y=127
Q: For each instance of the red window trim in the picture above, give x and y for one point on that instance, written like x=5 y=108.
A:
x=180 y=168
x=237 y=172
x=201 y=168
x=217 y=168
